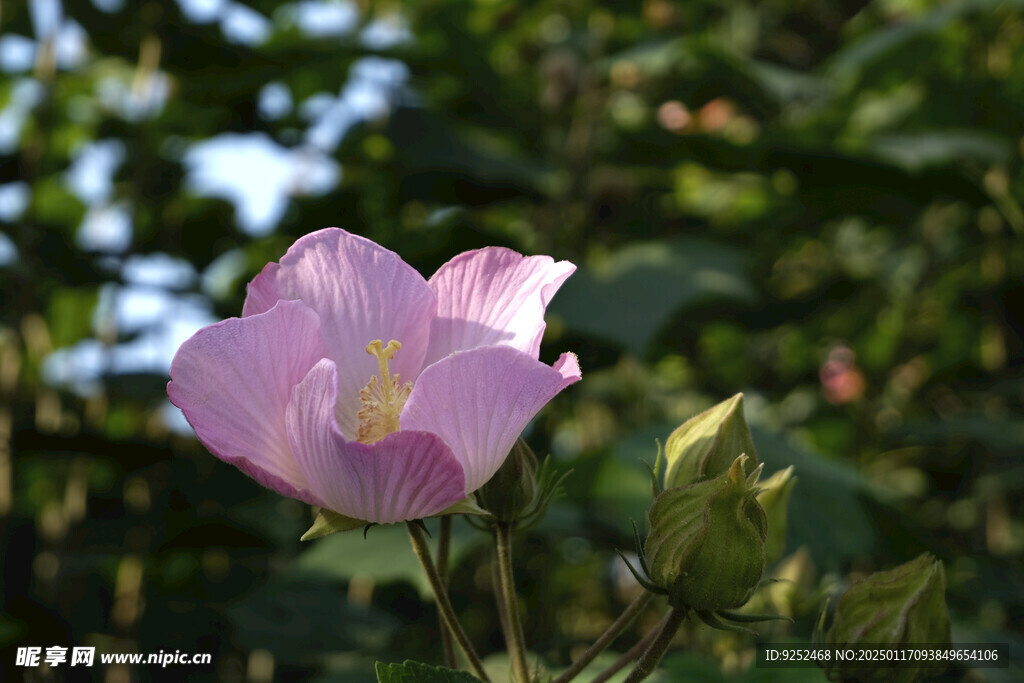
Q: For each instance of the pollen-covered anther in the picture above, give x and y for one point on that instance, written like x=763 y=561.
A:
x=383 y=397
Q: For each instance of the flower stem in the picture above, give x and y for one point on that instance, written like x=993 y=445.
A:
x=653 y=654
x=610 y=634
x=514 y=639
x=629 y=655
x=444 y=540
x=444 y=605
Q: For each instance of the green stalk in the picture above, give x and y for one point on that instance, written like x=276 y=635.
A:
x=630 y=655
x=514 y=638
x=610 y=634
x=444 y=605
x=649 y=661
x=444 y=540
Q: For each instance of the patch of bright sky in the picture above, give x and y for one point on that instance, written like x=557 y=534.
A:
x=175 y=420
x=222 y=275
x=275 y=101
x=202 y=11
x=322 y=19
x=70 y=39
x=257 y=175
x=90 y=177
x=108 y=6
x=8 y=251
x=251 y=170
x=72 y=45
x=129 y=310
x=17 y=53
x=46 y=17
x=373 y=84
x=244 y=25
x=158 y=270
x=134 y=101
x=106 y=228
x=25 y=95
x=14 y=199
x=386 y=32
x=316 y=105
x=239 y=23
x=81 y=367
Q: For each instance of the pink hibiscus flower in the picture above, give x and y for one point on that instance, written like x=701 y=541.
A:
x=353 y=384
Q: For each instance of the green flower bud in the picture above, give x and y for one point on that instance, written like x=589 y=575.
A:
x=512 y=492
x=705 y=446
x=706 y=544
x=902 y=606
x=774 y=498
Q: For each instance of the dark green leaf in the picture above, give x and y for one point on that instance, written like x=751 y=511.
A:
x=416 y=672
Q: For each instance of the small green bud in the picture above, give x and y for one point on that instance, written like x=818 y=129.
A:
x=706 y=544
x=902 y=606
x=512 y=491
x=705 y=446
x=774 y=498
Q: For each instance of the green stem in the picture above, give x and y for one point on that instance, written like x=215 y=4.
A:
x=444 y=605
x=499 y=601
x=630 y=655
x=658 y=646
x=610 y=634
x=514 y=638
x=444 y=540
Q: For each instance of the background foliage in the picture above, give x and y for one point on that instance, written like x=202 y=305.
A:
x=816 y=202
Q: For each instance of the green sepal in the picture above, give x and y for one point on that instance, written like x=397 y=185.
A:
x=705 y=446
x=774 y=498
x=643 y=581
x=329 y=522
x=466 y=506
x=751 y=618
x=549 y=487
x=709 y=618
x=639 y=547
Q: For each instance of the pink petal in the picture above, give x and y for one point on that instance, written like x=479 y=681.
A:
x=479 y=401
x=362 y=292
x=233 y=381
x=407 y=475
x=493 y=296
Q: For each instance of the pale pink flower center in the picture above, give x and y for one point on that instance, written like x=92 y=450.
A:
x=383 y=397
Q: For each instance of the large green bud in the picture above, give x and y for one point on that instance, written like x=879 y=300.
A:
x=902 y=606
x=706 y=446
x=706 y=543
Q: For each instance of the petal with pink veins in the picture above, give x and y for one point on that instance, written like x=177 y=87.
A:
x=493 y=296
x=362 y=292
x=233 y=381
x=479 y=401
x=407 y=475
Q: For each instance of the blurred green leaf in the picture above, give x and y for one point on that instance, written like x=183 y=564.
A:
x=829 y=506
x=416 y=672
x=882 y=44
x=915 y=151
x=629 y=295
x=301 y=621
x=383 y=555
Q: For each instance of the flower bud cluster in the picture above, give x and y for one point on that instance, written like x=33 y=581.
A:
x=714 y=527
